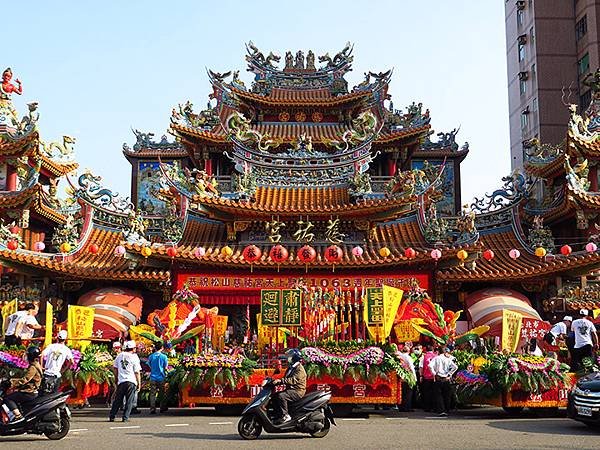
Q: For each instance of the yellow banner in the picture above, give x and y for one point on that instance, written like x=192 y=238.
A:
x=511 y=330
x=7 y=310
x=49 y=325
x=595 y=313
x=80 y=325
x=391 y=301
x=268 y=334
x=219 y=328
x=405 y=332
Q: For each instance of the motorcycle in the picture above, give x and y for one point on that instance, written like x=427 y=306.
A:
x=46 y=414
x=311 y=414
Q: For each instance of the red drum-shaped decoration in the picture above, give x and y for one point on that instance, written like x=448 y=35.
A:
x=172 y=252
x=333 y=254
x=94 y=249
x=306 y=254
x=566 y=250
x=488 y=254
x=252 y=253
x=12 y=245
x=410 y=253
x=278 y=254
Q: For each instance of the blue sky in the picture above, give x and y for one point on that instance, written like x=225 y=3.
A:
x=100 y=68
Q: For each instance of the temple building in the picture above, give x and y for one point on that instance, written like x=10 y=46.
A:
x=297 y=180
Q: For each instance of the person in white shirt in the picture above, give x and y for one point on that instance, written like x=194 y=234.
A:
x=127 y=370
x=21 y=325
x=558 y=330
x=443 y=367
x=53 y=359
x=407 y=391
x=586 y=340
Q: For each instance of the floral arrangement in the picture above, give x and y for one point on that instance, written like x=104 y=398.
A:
x=93 y=364
x=185 y=295
x=211 y=369
x=469 y=385
x=11 y=360
x=367 y=356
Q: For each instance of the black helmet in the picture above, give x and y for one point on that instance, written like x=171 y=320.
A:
x=33 y=353
x=294 y=355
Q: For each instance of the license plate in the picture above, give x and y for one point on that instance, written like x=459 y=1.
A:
x=583 y=411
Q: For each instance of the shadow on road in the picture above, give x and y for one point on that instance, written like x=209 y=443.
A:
x=216 y=437
x=546 y=426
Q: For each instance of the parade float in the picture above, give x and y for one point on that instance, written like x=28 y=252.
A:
x=281 y=215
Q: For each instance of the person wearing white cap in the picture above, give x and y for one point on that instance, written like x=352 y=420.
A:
x=558 y=331
x=53 y=360
x=127 y=370
x=586 y=339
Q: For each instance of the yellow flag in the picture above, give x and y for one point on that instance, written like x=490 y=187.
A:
x=381 y=306
x=595 y=313
x=48 y=335
x=80 y=325
x=511 y=329
x=219 y=328
x=391 y=302
x=268 y=334
x=7 y=310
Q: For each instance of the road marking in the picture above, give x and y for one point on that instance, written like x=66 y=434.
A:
x=354 y=419
x=220 y=423
x=177 y=425
x=79 y=429
x=125 y=428
x=395 y=418
x=437 y=417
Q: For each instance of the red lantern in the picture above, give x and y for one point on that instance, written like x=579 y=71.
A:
x=306 y=254
x=488 y=255
x=94 y=249
x=333 y=254
x=12 y=244
x=171 y=252
x=410 y=253
x=14 y=229
x=252 y=253
x=566 y=250
x=278 y=254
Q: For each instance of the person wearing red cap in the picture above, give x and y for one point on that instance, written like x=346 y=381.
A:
x=54 y=357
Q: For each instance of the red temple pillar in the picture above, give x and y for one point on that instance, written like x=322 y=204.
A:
x=594 y=179
x=11 y=178
x=208 y=166
x=392 y=166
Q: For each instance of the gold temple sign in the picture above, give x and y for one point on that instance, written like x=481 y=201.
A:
x=303 y=233
x=291 y=307
x=270 y=306
x=375 y=307
x=272 y=228
x=332 y=232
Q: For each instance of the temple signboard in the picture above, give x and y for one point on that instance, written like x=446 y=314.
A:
x=270 y=306
x=281 y=307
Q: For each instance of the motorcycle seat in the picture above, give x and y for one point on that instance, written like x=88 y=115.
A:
x=29 y=404
x=309 y=397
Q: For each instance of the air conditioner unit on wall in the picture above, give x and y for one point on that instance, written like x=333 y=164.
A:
x=520 y=4
x=522 y=39
x=526 y=110
x=523 y=76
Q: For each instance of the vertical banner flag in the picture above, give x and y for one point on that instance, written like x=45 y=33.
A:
x=7 y=310
x=219 y=328
x=268 y=334
x=80 y=325
x=270 y=306
x=49 y=323
x=391 y=302
x=511 y=330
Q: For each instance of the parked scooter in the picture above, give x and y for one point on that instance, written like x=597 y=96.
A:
x=46 y=414
x=311 y=414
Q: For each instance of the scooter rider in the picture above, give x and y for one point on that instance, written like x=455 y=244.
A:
x=295 y=382
x=28 y=386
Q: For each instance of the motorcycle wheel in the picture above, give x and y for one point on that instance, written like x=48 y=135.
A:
x=65 y=425
x=249 y=427
x=323 y=431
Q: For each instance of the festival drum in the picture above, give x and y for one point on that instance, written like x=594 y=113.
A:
x=116 y=309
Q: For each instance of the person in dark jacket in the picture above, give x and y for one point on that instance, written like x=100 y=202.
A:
x=26 y=388
x=295 y=383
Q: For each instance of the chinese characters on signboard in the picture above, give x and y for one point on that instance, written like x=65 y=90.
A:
x=533 y=328
x=375 y=309
x=281 y=307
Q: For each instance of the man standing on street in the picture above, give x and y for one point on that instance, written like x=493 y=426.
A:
x=21 y=325
x=128 y=370
x=586 y=339
x=53 y=358
x=443 y=367
x=158 y=363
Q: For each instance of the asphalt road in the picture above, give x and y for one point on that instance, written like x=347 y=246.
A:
x=477 y=428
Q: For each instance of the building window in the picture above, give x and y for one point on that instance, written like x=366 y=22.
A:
x=534 y=104
x=522 y=86
x=533 y=71
x=585 y=99
x=581 y=28
x=532 y=37
x=521 y=52
x=524 y=118
x=520 y=17
x=583 y=65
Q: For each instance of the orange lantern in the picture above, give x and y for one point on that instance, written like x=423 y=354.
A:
x=146 y=251
x=540 y=252
x=384 y=252
x=462 y=255
x=226 y=251
x=65 y=247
